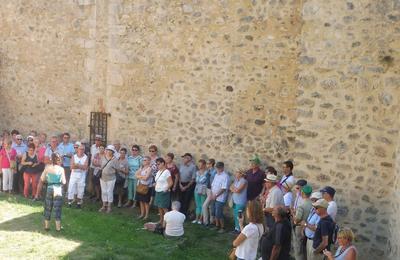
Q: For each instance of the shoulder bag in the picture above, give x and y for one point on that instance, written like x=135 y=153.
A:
x=100 y=172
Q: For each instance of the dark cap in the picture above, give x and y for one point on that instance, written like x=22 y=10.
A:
x=220 y=165
x=301 y=182
x=328 y=189
x=187 y=154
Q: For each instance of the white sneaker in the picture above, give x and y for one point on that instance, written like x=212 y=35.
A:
x=194 y=221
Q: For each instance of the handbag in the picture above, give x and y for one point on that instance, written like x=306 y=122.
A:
x=142 y=189
x=120 y=180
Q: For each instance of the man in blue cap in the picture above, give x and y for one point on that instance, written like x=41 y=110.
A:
x=328 y=193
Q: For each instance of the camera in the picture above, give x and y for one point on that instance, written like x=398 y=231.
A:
x=240 y=214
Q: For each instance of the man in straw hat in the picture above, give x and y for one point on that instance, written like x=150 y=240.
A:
x=323 y=234
x=274 y=199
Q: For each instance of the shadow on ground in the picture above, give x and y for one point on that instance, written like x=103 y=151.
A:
x=115 y=236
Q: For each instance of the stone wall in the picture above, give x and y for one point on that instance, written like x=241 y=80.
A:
x=315 y=81
x=348 y=111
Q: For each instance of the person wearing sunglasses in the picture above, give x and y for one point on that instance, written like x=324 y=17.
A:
x=135 y=161
x=79 y=166
x=21 y=148
x=323 y=234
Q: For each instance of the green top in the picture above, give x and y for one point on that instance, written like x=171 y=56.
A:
x=53 y=178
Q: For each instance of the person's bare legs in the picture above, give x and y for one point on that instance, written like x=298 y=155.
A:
x=147 y=207
x=104 y=207
x=58 y=225
x=142 y=210
x=109 y=207
x=46 y=225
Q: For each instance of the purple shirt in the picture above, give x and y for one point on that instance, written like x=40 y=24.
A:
x=255 y=183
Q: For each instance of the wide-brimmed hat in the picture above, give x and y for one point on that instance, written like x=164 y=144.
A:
x=321 y=203
x=111 y=148
x=316 y=195
x=271 y=178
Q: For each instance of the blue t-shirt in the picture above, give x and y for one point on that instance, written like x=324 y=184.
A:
x=240 y=198
x=134 y=164
x=325 y=227
x=210 y=176
x=64 y=149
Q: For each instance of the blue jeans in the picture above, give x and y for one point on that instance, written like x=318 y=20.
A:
x=236 y=209
x=219 y=209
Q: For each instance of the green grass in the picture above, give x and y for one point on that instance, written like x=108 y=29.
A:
x=88 y=234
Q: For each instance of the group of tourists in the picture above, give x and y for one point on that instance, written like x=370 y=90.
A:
x=284 y=216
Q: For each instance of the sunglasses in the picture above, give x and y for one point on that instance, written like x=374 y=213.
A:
x=152 y=151
x=75 y=147
x=19 y=139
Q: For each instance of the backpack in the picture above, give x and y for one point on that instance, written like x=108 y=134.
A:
x=335 y=232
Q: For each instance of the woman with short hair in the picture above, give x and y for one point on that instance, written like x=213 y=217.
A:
x=107 y=180
x=163 y=186
x=98 y=159
x=200 y=191
x=173 y=169
x=239 y=197
x=246 y=243
x=346 y=249
x=122 y=172
x=77 y=181
x=153 y=154
x=32 y=169
x=134 y=163
x=54 y=176
x=143 y=176
x=8 y=157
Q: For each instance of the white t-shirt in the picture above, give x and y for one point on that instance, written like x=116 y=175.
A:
x=174 y=223
x=274 y=198
x=162 y=180
x=93 y=151
x=248 y=248
x=332 y=209
x=288 y=199
x=220 y=182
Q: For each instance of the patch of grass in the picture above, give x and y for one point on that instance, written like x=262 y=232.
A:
x=88 y=234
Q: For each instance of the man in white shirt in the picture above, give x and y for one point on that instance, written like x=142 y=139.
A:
x=287 y=168
x=327 y=194
x=274 y=199
x=173 y=221
x=219 y=192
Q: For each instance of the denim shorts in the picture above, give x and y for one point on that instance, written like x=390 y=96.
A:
x=219 y=209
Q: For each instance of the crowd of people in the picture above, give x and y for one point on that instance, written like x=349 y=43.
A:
x=284 y=216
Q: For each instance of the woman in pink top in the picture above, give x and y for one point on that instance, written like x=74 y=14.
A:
x=8 y=164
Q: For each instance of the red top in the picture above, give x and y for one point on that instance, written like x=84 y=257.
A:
x=5 y=163
x=174 y=171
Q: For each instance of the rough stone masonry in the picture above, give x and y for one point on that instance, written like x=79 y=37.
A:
x=316 y=81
